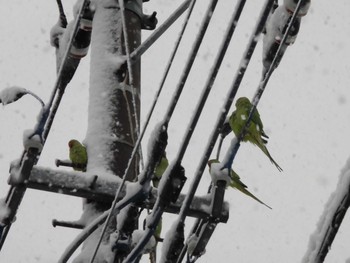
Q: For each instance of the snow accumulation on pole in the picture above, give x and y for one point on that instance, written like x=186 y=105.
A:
x=327 y=227
x=111 y=131
x=111 y=128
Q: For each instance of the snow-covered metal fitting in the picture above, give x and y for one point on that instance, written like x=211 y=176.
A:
x=291 y=5
x=149 y=22
x=293 y=33
x=277 y=26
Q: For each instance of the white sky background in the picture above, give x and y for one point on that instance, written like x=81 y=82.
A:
x=305 y=109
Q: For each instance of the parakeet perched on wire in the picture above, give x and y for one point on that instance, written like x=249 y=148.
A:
x=237 y=183
x=159 y=170
x=78 y=155
x=255 y=131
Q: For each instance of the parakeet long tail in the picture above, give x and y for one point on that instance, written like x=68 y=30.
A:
x=246 y=192
x=264 y=149
x=258 y=142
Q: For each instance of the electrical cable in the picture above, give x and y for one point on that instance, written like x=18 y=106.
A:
x=232 y=92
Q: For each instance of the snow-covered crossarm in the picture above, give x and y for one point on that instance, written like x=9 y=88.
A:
x=73 y=183
x=103 y=189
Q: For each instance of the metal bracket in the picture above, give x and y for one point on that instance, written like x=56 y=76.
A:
x=149 y=22
x=207 y=226
x=69 y=224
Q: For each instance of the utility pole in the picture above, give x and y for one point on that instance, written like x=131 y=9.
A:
x=114 y=102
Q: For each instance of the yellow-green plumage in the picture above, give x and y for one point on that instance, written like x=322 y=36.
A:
x=78 y=155
x=255 y=130
x=158 y=230
x=159 y=170
x=238 y=184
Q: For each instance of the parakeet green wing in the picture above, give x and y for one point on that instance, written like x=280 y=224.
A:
x=78 y=155
x=254 y=131
x=159 y=170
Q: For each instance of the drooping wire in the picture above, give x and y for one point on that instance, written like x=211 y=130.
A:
x=260 y=90
x=140 y=136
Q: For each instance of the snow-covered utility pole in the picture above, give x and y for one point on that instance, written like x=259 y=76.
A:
x=114 y=101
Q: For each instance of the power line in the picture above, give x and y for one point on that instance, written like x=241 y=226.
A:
x=238 y=78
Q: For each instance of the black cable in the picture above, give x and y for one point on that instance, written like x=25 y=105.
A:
x=190 y=61
x=63 y=18
x=238 y=78
x=212 y=76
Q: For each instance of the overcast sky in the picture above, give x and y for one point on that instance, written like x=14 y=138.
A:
x=305 y=110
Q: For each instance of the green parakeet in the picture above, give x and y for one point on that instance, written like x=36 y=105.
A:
x=78 y=155
x=255 y=131
x=237 y=183
x=159 y=170
x=158 y=230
